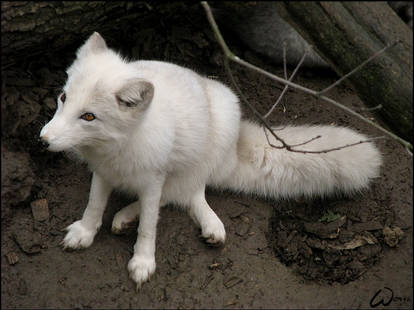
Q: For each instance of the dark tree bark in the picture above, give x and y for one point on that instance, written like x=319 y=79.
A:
x=347 y=33
x=32 y=27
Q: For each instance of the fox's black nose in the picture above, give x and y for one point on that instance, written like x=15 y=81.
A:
x=44 y=142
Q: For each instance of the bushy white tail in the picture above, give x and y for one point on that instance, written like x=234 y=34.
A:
x=273 y=172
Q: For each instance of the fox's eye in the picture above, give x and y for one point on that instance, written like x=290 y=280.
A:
x=88 y=117
x=63 y=97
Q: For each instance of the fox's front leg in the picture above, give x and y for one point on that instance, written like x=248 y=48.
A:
x=81 y=233
x=142 y=264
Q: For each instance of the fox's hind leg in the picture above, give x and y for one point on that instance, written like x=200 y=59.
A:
x=125 y=217
x=212 y=229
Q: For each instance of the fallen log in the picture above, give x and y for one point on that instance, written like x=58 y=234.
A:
x=347 y=33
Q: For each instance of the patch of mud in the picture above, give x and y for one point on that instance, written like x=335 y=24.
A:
x=333 y=240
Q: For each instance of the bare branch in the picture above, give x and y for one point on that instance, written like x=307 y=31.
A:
x=286 y=86
x=358 y=68
x=236 y=59
x=284 y=60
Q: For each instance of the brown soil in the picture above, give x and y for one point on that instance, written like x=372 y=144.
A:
x=335 y=253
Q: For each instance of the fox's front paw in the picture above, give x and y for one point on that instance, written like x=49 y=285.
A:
x=78 y=236
x=214 y=233
x=141 y=268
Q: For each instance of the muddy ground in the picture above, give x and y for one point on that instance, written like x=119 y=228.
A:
x=345 y=252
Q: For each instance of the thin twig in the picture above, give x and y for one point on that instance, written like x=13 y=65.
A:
x=306 y=142
x=337 y=148
x=358 y=67
x=284 y=66
x=236 y=59
x=255 y=112
x=284 y=60
x=286 y=86
x=290 y=147
x=377 y=107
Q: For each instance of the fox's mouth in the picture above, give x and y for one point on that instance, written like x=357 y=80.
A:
x=57 y=147
x=54 y=148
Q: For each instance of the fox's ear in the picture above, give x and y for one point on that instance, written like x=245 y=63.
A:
x=93 y=45
x=135 y=93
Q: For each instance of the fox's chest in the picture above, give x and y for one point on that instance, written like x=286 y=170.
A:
x=120 y=172
x=128 y=180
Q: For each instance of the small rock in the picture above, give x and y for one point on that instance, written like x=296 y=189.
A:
x=392 y=236
x=244 y=218
x=40 y=210
x=28 y=241
x=17 y=177
x=242 y=229
x=22 y=288
x=12 y=258
x=236 y=210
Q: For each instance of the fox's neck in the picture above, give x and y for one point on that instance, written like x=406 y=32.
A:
x=103 y=154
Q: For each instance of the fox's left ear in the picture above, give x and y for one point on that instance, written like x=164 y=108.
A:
x=135 y=93
x=93 y=45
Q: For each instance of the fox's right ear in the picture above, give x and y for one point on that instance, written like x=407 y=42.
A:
x=95 y=44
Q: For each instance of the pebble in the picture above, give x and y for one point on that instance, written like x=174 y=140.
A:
x=28 y=241
x=242 y=229
x=392 y=236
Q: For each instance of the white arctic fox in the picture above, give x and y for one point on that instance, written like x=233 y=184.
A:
x=164 y=132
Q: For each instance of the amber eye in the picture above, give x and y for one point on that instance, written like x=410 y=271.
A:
x=88 y=117
x=63 y=97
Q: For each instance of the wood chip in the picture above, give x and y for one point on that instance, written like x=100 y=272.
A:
x=12 y=258
x=232 y=281
x=325 y=231
x=214 y=266
x=373 y=225
x=40 y=210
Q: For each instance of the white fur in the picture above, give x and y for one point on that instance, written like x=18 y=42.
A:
x=164 y=132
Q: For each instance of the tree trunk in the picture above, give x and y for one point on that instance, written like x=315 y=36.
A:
x=34 y=27
x=347 y=33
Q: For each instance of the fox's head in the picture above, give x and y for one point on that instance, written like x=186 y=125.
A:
x=101 y=101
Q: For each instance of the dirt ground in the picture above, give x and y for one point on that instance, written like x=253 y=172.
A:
x=345 y=252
